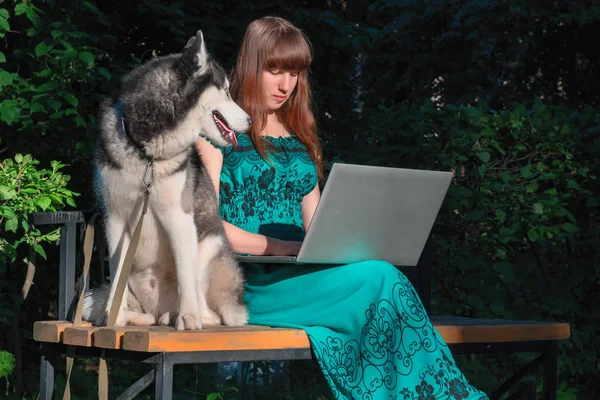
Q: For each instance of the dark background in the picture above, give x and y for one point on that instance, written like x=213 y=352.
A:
x=504 y=93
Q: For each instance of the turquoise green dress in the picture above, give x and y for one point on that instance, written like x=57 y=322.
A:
x=368 y=328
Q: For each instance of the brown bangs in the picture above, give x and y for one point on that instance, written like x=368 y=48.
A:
x=288 y=51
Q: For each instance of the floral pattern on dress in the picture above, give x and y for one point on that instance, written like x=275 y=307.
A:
x=255 y=192
x=391 y=337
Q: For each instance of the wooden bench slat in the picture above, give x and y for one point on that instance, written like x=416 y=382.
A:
x=79 y=335
x=215 y=340
x=454 y=330
x=478 y=330
x=51 y=331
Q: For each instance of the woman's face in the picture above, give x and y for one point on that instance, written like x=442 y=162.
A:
x=278 y=86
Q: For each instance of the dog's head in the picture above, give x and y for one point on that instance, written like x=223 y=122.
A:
x=167 y=102
x=221 y=116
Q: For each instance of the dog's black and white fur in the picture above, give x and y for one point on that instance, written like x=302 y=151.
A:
x=184 y=269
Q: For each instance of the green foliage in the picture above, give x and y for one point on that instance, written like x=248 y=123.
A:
x=500 y=51
x=7 y=365
x=524 y=198
x=25 y=189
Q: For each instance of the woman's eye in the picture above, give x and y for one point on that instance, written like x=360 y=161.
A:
x=294 y=74
x=274 y=71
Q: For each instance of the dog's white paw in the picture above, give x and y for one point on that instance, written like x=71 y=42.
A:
x=188 y=321
x=211 y=319
x=235 y=315
x=167 y=319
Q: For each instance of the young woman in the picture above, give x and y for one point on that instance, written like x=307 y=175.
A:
x=367 y=326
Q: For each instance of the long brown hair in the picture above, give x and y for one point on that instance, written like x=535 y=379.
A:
x=275 y=43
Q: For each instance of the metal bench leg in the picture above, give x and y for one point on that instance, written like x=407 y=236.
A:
x=164 y=377
x=138 y=387
x=47 y=364
x=550 y=371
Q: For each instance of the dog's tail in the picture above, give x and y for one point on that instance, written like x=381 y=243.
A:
x=94 y=303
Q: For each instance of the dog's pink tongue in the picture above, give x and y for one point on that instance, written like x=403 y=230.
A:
x=230 y=134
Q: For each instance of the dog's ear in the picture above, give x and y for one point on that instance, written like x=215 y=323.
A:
x=194 y=53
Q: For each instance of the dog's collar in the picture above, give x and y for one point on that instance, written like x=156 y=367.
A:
x=120 y=108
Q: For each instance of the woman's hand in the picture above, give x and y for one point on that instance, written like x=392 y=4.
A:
x=277 y=247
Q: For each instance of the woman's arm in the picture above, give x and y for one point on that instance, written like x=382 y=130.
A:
x=309 y=206
x=243 y=242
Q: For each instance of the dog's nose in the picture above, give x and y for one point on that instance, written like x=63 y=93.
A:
x=250 y=122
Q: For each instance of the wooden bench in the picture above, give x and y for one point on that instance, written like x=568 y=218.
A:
x=164 y=347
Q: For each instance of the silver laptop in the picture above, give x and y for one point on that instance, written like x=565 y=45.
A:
x=371 y=213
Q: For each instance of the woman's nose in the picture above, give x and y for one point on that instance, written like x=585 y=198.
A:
x=285 y=83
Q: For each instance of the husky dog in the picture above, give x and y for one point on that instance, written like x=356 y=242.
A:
x=184 y=270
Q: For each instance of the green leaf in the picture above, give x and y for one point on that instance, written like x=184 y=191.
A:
x=56 y=33
x=507 y=177
x=33 y=17
x=6 y=78
x=54 y=103
x=571 y=183
x=569 y=227
x=526 y=171
x=4 y=13
x=20 y=8
x=4 y=24
x=86 y=57
x=2 y=57
x=501 y=216
x=104 y=72
x=39 y=249
x=72 y=100
x=213 y=396
x=53 y=236
x=541 y=166
x=532 y=187
x=44 y=202
x=48 y=86
x=42 y=49
x=533 y=235
x=11 y=225
x=538 y=208
x=7 y=193
x=484 y=156
x=36 y=107
x=19 y=158
x=9 y=115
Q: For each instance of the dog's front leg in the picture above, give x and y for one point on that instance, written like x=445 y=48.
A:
x=183 y=239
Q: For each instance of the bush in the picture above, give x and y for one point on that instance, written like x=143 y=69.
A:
x=525 y=200
x=24 y=189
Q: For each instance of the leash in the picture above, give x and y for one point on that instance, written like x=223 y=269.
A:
x=149 y=179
